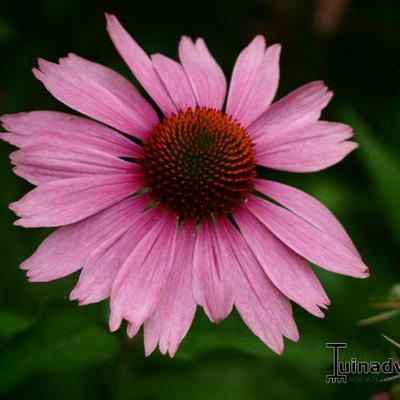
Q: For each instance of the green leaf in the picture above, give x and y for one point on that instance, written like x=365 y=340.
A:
x=231 y=334
x=12 y=323
x=234 y=336
x=383 y=167
x=63 y=339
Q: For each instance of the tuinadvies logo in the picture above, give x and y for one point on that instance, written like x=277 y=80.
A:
x=344 y=371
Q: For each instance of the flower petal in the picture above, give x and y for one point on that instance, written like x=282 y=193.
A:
x=104 y=263
x=308 y=240
x=66 y=250
x=265 y=310
x=309 y=148
x=70 y=200
x=205 y=75
x=307 y=208
x=171 y=320
x=295 y=110
x=50 y=126
x=175 y=81
x=98 y=92
x=47 y=162
x=254 y=81
x=289 y=272
x=141 y=280
x=140 y=64
x=212 y=286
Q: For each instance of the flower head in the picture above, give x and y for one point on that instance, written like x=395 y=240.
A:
x=199 y=163
x=181 y=219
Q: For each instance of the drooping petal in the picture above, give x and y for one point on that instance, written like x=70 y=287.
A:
x=289 y=272
x=307 y=239
x=171 y=320
x=175 y=81
x=254 y=81
x=299 y=108
x=302 y=157
x=265 y=310
x=212 y=285
x=141 y=280
x=205 y=75
x=140 y=64
x=66 y=250
x=103 y=265
x=98 y=92
x=307 y=208
x=70 y=200
x=35 y=127
x=47 y=162
x=309 y=148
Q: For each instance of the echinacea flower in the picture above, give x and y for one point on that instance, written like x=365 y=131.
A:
x=178 y=217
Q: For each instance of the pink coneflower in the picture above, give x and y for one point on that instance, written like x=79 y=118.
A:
x=182 y=219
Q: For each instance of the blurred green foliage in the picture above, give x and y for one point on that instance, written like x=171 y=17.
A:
x=51 y=348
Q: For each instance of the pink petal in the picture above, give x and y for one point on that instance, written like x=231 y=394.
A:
x=305 y=132
x=70 y=200
x=103 y=265
x=289 y=272
x=254 y=81
x=98 y=92
x=310 y=156
x=308 y=240
x=171 y=320
x=66 y=250
x=307 y=208
x=212 y=260
x=265 y=310
x=140 y=64
x=381 y=396
x=297 y=109
x=175 y=81
x=141 y=280
x=47 y=162
x=205 y=75
x=307 y=149
x=50 y=126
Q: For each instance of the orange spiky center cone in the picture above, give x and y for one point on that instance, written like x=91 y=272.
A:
x=199 y=162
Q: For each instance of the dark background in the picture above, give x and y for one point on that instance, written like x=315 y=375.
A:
x=51 y=348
